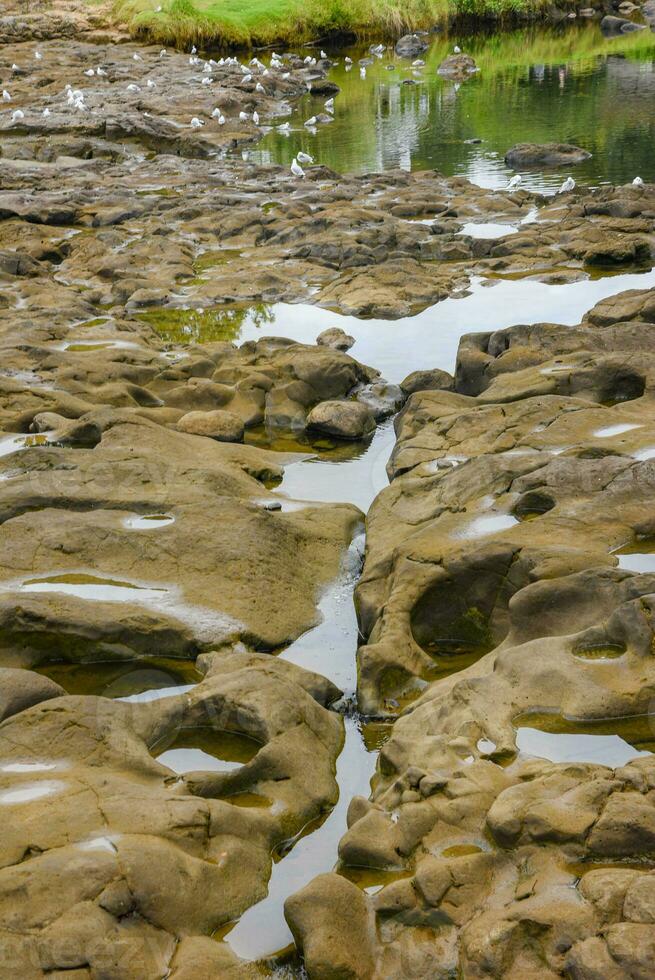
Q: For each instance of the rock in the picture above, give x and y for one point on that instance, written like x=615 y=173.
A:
x=220 y=425
x=410 y=46
x=381 y=398
x=457 y=66
x=332 y=926
x=343 y=420
x=545 y=155
x=429 y=380
x=20 y=689
x=324 y=87
x=335 y=337
x=612 y=26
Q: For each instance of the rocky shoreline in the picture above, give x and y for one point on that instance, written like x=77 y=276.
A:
x=142 y=528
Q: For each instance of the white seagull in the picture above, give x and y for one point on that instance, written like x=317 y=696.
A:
x=46 y=112
x=323 y=54
x=243 y=116
x=150 y=83
x=133 y=88
x=637 y=182
x=196 y=123
x=284 y=128
x=259 y=87
x=514 y=182
x=255 y=118
x=162 y=52
x=137 y=57
x=296 y=169
x=38 y=55
x=17 y=114
x=311 y=121
x=568 y=185
x=304 y=157
x=457 y=50
x=5 y=95
x=329 y=105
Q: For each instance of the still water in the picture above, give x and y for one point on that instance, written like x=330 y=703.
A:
x=565 y=84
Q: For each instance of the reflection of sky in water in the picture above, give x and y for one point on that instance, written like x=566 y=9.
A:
x=430 y=339
x=534 y=85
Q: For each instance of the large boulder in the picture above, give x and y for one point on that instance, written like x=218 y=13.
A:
x=545 y=155
x=344 y=420
x=430 y=380
x=220 y=425
x=411 y=45
x=612 y=26
x=457 y=66
x=336 y=338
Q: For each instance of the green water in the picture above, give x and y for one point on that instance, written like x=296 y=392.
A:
x=566 y=84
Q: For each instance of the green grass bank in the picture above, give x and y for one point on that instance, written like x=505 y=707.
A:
x=242 y=23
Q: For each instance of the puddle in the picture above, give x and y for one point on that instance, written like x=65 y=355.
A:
x=149 y=522
x=487 y=230
x=637 y=557
x=15 y=443
x=615 y=430
x=28 y=792
x=91 y=346
x=488 y=524
x=203 y=749
x=610 y=742
x=134 y=680
x=345 y=473
x=29 y=766
x=93 y=588
x=262 y=930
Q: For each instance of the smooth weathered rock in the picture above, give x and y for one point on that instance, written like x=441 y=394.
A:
x=427 y=380
x=220 y=425
x=335 y=337
x=344 y=420
x=411 y=45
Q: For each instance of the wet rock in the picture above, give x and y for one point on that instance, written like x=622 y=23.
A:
x=545 y=155
x=457 y=66
x=344 y=420
x=381 y=398
x=411 y=45
x=220 y=425
x=330 y=907
x=428 y=380
x=612 y=26
x=20 y=689
x=335 y=337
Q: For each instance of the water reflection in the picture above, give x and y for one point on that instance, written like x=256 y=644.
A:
x=565 y=84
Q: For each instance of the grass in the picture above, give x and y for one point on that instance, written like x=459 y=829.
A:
x=259 y=22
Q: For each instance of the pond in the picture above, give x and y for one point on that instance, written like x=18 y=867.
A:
x=566 y=84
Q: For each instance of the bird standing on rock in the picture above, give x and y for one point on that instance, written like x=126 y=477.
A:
x=296 y=169
x=457 y=50
x=5 y=95
x=196 y=123
x=514 y=182
x=17 y=115
x=255 y=118
x=637 y=182
x=568 y=185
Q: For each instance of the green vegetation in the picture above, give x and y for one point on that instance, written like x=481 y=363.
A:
x=244 y=22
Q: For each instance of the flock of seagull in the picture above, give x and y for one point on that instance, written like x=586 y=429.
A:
x=567 y=186
x=75 y=97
